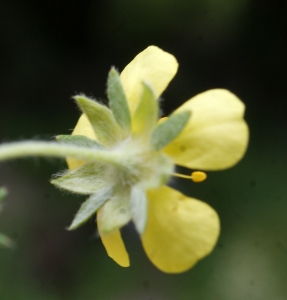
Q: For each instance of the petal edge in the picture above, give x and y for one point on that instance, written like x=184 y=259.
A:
x=216 y=135
x=153 y=65
x=115 y=247
x=180 y=230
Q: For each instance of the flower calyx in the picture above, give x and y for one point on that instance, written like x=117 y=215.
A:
x=134 y=162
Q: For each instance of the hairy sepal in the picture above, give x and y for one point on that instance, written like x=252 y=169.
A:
x=90 y=207
x=87 y=179
x=168 y=130
x=102 y=120
x=146 y=114
x=139 y=208
x=118 y=102
x=116 y=212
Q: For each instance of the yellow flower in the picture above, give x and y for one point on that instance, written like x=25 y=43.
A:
x=207 y=132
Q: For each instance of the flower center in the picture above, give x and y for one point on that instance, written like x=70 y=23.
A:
x=143 y=166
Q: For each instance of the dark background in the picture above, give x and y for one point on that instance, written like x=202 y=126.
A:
x=51 y=50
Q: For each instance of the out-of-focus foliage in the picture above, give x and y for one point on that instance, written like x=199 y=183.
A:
x=4 y=240
x=51 y=50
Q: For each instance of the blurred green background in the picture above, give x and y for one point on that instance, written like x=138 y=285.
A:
x=51 y=50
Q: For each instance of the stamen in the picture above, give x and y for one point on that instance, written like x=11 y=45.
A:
x=196 y=176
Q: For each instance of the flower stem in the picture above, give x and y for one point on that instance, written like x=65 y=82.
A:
x=53 y=149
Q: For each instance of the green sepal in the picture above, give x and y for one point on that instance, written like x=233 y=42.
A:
x=139 y=208
x=79 y=140
x=116 y=212
x=102 y=120
x=87 y=179
x=146 y=113
x=90 y=207
x=168 y=130
x=118 y=102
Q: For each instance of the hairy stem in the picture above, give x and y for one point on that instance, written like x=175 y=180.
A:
x=53 y=149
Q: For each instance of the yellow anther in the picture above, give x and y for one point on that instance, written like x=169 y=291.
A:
x=196 y=176
x=162 y=120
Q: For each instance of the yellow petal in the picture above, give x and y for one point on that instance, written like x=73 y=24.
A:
x=180 y=230
x=216 y=135
x=115 y=247
x=85 y=128
x=152 y=65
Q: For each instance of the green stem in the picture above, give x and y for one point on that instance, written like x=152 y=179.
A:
x=52 y=149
